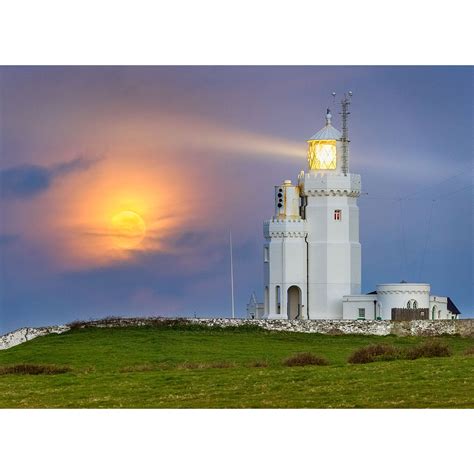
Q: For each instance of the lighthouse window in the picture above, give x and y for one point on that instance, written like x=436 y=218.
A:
x=265 y=254
x=337 y=215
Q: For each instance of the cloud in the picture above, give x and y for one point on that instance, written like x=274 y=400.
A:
x=6 y=239
x=81 y=163
x=27 y=181
x=24 y=181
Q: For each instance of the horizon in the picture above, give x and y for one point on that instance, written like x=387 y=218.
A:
x=120 y=185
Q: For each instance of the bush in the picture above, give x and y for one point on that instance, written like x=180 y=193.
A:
x=469 y=351
x=140 y=368
x=210 y=365
x=259 y=363
x=377 y=352
x=429 y=349
x=305 y=358
x=33 y=369
x=374 y=352
x=77 y=324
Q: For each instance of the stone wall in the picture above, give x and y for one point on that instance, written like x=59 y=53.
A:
x=27 y=334
x=461 y=327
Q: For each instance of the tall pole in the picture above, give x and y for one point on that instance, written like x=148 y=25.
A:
x=345 y=102
x=231 y=275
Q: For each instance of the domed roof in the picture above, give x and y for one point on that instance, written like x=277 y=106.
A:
x=328 y=132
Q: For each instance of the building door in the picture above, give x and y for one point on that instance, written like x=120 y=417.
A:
x=294 y=303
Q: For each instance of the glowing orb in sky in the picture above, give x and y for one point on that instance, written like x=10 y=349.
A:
x=128 y=229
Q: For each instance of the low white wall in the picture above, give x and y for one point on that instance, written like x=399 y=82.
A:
x=460 y=327
x=27 y=334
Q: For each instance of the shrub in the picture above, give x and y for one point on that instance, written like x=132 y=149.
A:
x=431 y=348
x=77 y=324
x=210 y=365
x=190 y=365
x=220 y=365
x=374 y=352
x=305 y=358
x=259 y=363
x=469 y=351
x=33 y=369
x=140 y=368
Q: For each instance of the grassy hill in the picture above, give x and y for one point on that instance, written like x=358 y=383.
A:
x=194 y=366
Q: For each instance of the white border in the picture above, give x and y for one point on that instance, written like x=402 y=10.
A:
x=235 y=32
x=244 y=32
x=236 y=441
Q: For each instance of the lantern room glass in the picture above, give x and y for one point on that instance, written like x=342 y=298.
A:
x=322 y=154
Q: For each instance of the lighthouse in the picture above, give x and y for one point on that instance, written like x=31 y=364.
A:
x=312 y=253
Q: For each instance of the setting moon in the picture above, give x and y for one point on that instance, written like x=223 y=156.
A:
x=128 y=229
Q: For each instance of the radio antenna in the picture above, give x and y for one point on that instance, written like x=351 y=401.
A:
x=231 y=275
x=345 y=102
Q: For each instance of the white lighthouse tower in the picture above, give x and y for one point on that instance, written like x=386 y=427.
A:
x=312 y=254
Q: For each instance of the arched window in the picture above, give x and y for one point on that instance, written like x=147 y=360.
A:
x=378 y=314
x=412 y=304
x=278 y=299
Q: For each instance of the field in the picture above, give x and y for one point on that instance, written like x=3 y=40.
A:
x=197 y=367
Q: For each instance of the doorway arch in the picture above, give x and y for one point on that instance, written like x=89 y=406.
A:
x=294 y=302
x=433 y=312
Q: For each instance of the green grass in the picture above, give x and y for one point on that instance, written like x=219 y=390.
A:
x=199 y=367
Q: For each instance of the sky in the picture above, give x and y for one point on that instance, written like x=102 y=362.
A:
x=119 y=185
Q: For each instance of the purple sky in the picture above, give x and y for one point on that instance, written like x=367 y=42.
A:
x=196 y=151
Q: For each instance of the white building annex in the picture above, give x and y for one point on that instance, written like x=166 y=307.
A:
x=312 y=253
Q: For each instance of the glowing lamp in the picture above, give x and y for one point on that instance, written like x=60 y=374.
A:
x=322 y=154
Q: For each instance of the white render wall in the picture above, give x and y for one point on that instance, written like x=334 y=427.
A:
x=397 y=295
x=439 y=308
x=352 y=303
x=287 y=264
x=334 y=251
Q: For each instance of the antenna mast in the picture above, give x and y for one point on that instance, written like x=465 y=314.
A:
x=231 y=275
x=345 y=102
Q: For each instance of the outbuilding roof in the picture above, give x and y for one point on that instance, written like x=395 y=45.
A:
x=452 y=307
x=328 y=132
